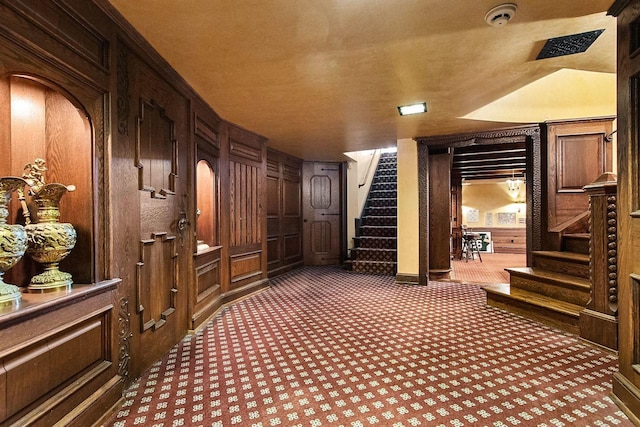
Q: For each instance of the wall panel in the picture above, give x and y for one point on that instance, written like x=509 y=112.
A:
x=577 y=154
x=284 y=192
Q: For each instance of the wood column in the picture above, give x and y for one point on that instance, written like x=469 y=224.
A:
x=440 y=214
x=599 y=320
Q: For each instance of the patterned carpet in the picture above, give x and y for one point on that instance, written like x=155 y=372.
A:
x=490 y=270
x=325 y=347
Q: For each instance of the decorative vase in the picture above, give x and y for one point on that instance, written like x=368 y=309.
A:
x=13 y=239
x=50 y=241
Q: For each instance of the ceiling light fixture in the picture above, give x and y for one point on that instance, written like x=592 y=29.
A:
x=418 y=108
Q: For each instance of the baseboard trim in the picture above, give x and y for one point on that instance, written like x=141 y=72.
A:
x=284 y=269
x=599 y=328
x=409 y=279
x=230 y=298
x=440 y=274
x=627 y=396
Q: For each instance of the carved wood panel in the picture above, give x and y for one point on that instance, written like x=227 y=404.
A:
x=155 y=204
x=76 y=350
x=156 y=280
x=577 y=154
x=284 y=212
x=245 y=210
x=573 y=172
x=156 y=151
x=206 y=294
x=245 y=266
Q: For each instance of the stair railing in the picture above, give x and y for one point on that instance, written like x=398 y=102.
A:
x=599 y=320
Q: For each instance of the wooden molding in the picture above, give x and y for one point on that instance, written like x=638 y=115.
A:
x=411 y=279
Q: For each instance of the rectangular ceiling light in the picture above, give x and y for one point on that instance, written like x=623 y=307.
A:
x=418 y=108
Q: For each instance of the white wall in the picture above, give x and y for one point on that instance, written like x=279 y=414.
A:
x=361 y=166
x=408 y=212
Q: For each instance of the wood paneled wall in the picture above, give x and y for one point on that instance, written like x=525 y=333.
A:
x=246 y=212
x=506 y=240
x=284 y=212
x=626 y=382
x=578 y=152
x=142 y=280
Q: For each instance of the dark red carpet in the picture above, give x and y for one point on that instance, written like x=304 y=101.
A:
x=324 y=347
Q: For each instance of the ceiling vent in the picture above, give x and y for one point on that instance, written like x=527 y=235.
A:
x=568 y=45
x=499 y=16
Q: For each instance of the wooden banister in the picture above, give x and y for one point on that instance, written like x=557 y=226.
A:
x=599 y=321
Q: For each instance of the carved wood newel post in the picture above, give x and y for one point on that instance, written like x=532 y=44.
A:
x=599 y=320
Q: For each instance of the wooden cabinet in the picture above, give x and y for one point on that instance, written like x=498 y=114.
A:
x=56 y=352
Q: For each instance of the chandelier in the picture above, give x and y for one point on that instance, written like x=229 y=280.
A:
x=513 y=185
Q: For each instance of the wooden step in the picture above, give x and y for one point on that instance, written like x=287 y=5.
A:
x=578 y=242
x=571 y=263
x=558 y=286
x=550 y=311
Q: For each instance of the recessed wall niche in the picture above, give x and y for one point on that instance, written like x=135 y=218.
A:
x=206 y=230
x=39 y=121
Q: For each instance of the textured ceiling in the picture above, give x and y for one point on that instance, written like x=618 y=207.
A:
x=321 y=77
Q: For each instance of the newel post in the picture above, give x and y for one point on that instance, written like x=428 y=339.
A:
x=599 y=320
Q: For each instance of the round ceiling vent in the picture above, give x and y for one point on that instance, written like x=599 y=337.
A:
x=500 y=15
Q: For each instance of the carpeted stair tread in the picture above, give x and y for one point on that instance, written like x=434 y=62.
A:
x=383 y=199
x=381 y=210
x=378 y=230
x=560 y=279
x=374 y=242
x=388 y=220
x=534 y=299
x=384 y=194
x=374 y=267
x=376 y=254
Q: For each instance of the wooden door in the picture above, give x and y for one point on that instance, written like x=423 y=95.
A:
x=322 y=213
x=151 y=201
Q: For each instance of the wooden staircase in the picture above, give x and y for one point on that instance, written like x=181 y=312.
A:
x=554 y=290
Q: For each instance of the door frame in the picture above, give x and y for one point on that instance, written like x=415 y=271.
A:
x=531 y=136
x=342 y=197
